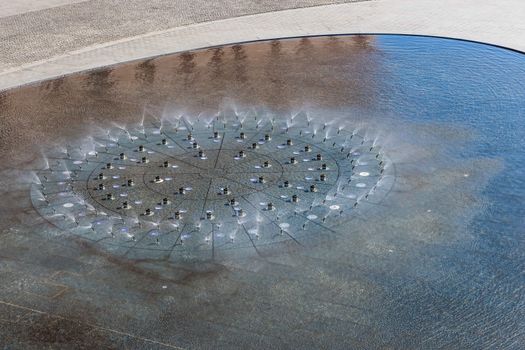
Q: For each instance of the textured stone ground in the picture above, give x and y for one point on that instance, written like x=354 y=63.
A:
x=37 y=35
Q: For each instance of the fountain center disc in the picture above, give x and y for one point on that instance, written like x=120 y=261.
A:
x=195 y=190
x=218 y=172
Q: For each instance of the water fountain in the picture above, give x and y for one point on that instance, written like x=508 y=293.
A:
x=193 y=193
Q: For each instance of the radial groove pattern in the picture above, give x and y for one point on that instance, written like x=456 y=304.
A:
x=190 y=187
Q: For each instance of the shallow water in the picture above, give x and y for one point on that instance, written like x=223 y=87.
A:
x=437 y=262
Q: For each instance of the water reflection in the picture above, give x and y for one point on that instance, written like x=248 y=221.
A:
x=450 y=115
x=187 y=63
x=99 y=83
x=216 y=63
x=274 y=73
x=54 y=86
x=145 y=72
x=281 y=75
x=240 y=69
x=304 y=49
x=3 y=102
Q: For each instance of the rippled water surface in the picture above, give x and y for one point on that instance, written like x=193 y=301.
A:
x=438 y=262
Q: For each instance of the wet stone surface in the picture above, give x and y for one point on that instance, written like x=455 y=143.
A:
x=412 y=239
x=156 y=191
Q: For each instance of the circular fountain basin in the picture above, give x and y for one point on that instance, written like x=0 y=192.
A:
x=420 y=208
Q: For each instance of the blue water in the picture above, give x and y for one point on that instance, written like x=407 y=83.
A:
x=480 y=88
x=455 y=274
x=477 y=86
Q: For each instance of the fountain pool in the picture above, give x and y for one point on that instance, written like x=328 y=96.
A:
x=378 y=179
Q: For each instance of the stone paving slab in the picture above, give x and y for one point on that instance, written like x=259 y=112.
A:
x=12 y=8
x=37 y=35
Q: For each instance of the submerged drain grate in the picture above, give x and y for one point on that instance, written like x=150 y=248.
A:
x=193 y=188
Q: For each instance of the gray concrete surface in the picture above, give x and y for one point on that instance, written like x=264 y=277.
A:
x=37 y=35
x=11 y=8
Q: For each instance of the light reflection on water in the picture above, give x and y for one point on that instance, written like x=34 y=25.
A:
x=479 y=88
x=452 y=114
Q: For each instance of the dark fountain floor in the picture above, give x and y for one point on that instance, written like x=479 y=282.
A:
x=332 y=192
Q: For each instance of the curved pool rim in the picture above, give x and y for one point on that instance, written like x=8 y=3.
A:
x=261 y=40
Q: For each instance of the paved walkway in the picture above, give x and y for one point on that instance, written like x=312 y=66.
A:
x=498 y=22
x=12 y=8
x=35 y=32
